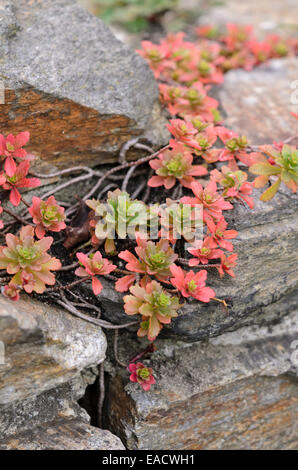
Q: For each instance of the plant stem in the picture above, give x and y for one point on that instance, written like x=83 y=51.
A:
x=122 y=167
x=101 y=386
x=17 y=217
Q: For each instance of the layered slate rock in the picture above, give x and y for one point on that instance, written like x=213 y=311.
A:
x=63 y=434
x=44 y=347
x=47 y=365
x=238 y=391
x=78 y=90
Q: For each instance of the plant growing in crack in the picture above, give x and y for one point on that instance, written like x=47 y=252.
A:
x=205 y=166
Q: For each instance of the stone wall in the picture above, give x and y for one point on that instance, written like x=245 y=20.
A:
x=237 y=391
x=49 y=355
x=226 y=379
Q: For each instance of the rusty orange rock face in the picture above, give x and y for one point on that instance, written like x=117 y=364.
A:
x=63 y=132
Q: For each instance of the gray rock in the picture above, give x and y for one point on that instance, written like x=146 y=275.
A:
x=266 y=17
x=44 y=347
x=236 y=392
x=46 y=369
x=66 y=75
x=63 y=434
x=26 y=414
x=258 y=103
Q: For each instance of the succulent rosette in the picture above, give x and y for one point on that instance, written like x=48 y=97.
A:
x=142 y=375
x=11 y=147
x=234 y=184
x=174 y=165
x=204 y=251
x=179 y=220
x=154 y=259
x=119 y=215
x=15 y=178
x=211 y=201
x=227 y=263
x=192 y=284
x=28 y=261
x=282 y=164
x=155 y=305
x=47 y=215
x=94 y=265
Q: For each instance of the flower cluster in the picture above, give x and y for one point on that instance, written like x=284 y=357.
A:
x=175 y=164
x=155 y=305
x=154 y=259
x=119 y=215
x=92 y=266
x=142 y=375
x=28 y=261
x=47 y=215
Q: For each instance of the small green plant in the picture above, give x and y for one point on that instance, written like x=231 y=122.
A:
x=135 y=15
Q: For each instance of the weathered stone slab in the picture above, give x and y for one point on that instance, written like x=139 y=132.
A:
x=63 y=434
x=236 y=392
x=61 y=401
x=44 y=347
x=258 y=103
x=268 y=16
x=78 y=90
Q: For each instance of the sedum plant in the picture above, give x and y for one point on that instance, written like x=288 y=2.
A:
x=28 y=261
x=154 y=259
x=142 y=375
x=119 y=215
x=282 y=164
x=155 y=305
x=47 y=215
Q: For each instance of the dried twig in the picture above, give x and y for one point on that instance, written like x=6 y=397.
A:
x=116 y=355
x=127 y=177
x=61 y=172
x=101 y=387
x=68 y=183
x=121 y=167
x=16 y=217
x=125 y=148
x=102 y=323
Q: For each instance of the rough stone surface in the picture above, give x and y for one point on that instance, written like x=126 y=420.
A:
x=268 y=16
x=44 y=347
x=63 y=434
x=49 y=356
x=78 y=90
x=61 y=401
x=238 y=391
x=258 y=103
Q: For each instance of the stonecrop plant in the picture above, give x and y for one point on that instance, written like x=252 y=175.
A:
x=145 y=238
